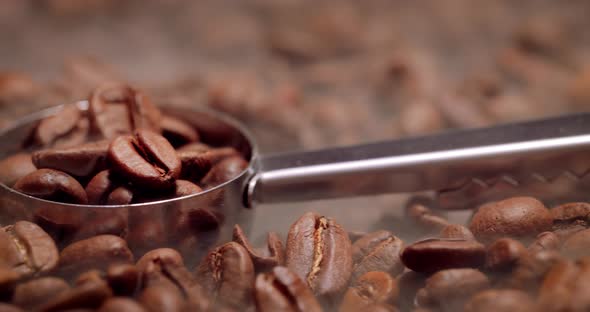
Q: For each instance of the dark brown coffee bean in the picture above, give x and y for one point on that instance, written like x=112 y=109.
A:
x=15 y=167
x=96 y=252
x=577 y=246
x=283 y=290
x=32 y=294
x=100 y=186
x=52 y=185
x=117 y=304
x=503 y=254
x=432 y=255
x=449 y=289
x=227 y=273
x=112 y=222
x=501 y=300
x=146 y=233
x=123 y=279
x=80 y=161
x=372 y=288
x=185 y=188
x=566 y=287
x=570 y=212
x=194 y=147
x=195 y=164
x=225 y=170
x=177 y=131
x=320 y=252
x=517 y=217
x=27 y=249
x=531 y=269
x=545 y=241
x=195 y=295
x=61 y=223
x=146 y=159
x=62 y=129
x=263 y=259
x=154 y=259
x=377 y=251
x=423 y=217
x=90 y=294
x=8 y=280
x=120 y=196
x=117 y=109
x=456 y=231
x=161 y=298
x=5 y=307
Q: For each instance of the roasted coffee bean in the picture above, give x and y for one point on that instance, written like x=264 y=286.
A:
x=5 y=307
x=177 y=131
x=565 y=231
x=432 y=255
x=517 y=217
x=195 y=164
x=95 y=252
x=263 y=259
x=225 y=170
x=531 y=269
x=372 y=288
x=456 y=231
x=501 y=300
x=570 y=212
x=123 y=279
x=194 y=147
x=61 y=223
x=90 y=295
x=566 y=287
x=227 y=273
x=424 y=217
x=503 y=254
x=154 y=259
x=27 y=249
x=184 y=188
x=545 y=241
x=283 y=290
x=66 y=128
x=160 y=298
x=146 y=159
x=377 y=251
x=319 y=251
x=8 y=279
x=355 y=235
x=15 y=167
x=91 y=275
x=117 y=304
x=32 y=294
x=82 y=161
x=120 y=196
x=52 y=185
x=449 y=289
x=577 y=246
x=104 y=222
x=117 y=109
x=100 y=187
x=146 y=233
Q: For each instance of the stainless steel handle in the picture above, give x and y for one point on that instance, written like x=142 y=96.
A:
x=444 y=161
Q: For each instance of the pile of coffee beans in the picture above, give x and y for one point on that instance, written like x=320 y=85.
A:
x=514 y=255
x=121 y=150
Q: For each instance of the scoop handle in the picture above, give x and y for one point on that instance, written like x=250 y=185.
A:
x=439 y=162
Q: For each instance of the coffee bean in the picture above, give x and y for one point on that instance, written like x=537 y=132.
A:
x=227 y=273
x=199 y=147
x=100 y=187
x=177 y=131
x=8 y=280
x=117 y=304
x=5 y=307
x=566 y=230
x=501 y=300
x=423 y=217
x=81 y=161
x=146 y=159
x=503 y=254
x=161 y=298
x=372 y=288
x=146 y=233
x=154 y=259
x=565 y=287
x=117 y=109
x=27 y=249
x=32 y=294
x=531 y=269
x=570 y=212
x=66 y=128
x=15 y=167
x=52 y=185
x=225 y=170
x=283 y=290
x=577 y=246
x=185 y=188
x=432 y=255
x=61 y=223
x=195 y=164
x=263 y=259
x=517 y=217
x=123 y=279
x=545 y=241
x=449 y=289
x=103 y=222
x=456 y=231
x=120 y=196
x=95 y=252
x=90 y=294
x=377 y=251
x=319 y=251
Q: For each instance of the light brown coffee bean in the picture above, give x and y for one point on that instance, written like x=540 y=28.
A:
x=27 y=249
x=531 y=269
x=52 y=185
x=566 y=287
x=283 y=290
x=154 y=259
x=418 y=211
x=517 y=217
x=456 y=231
x=177 y=131
x=319 y=251
x=117 y=304
x=32 y=294
x=577 y=246
x=82 y=161
x=101 y=186
x=545 y=241
x=501 y=300
x=107 y=221
x=570 y=212
x=372 y=288
x=122 y=195
x=66 y=128
x=377 y=251
x=432 y=255
x=15 y=167
x=96 y=252
x=263 y=259
x=450 y=289
x=185 y=188
x=161 y=298
x=90 y=294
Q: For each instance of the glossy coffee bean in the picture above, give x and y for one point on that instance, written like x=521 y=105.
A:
x=566 y=287
x=101 y=186
x=319 y=251
x=154 y=259
x=112 y=222
x=116 y=304
x=283 y=290
x=52 y=185
x=15 y=167
x=32 y=294
x=531 y=269
x=577 y=246
x=123 y=279
x=503 y=254
x=225 y=170
x=418 y=211
x=161 y=298
x=501 y=300
x=122 y=195
x=517 y=217
x=377 y=251
x=545 y=241
x=432 y=255
x=95 y=252
x=570 y=212
x=266 y=258
x=177 y=131
x=61 y=223
x=227 y=273
x=195 y=164
x=62 y=129
x=83 y=160
x=449 y=289
x=145 y=233
x=146 y=159
x=27 y=249
x=456 y=231
x=370 y=289
x=88 y=295
x=184 y=188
